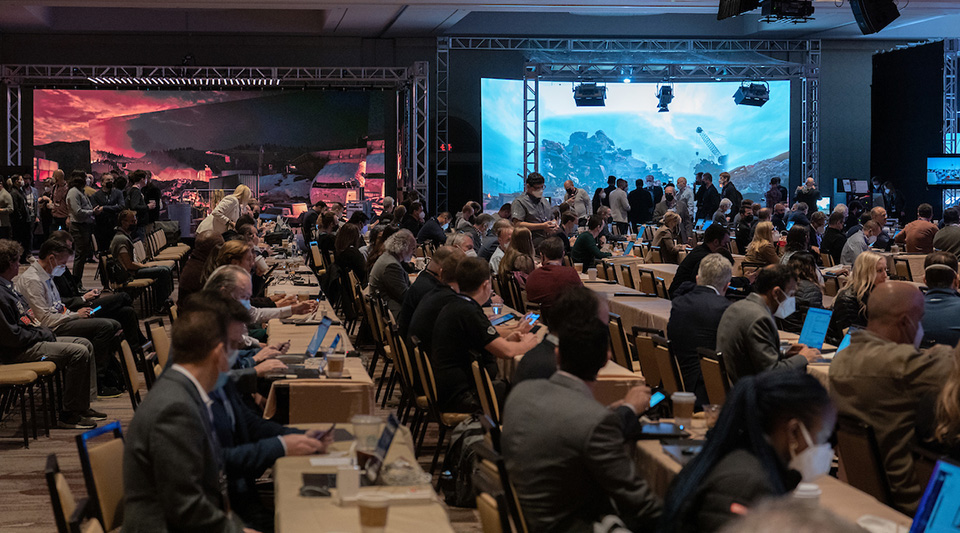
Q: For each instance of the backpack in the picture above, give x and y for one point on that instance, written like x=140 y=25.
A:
x=460 y=464
x=116 y=272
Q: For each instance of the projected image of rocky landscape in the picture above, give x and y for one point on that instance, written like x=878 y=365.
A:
x=704 y=131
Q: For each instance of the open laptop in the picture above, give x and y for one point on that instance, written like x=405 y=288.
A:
x=628 y=249
x=815 y=327
x=939 y=510
x=375 y=463
x=318 y=336
x=706 y=224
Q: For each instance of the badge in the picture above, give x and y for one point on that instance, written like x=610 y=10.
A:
x=491 y=330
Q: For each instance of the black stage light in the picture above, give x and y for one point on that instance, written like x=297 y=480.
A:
x=665 y=95
x=874 y=15
x=791 y=10
x=755 y=94
x=589 y=94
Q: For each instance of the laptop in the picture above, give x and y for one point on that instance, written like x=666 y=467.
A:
x=828 y=356
x=628 y=249
x=375 y=463
x=815 y=327
x=790 y=225
x=939 y=510
x=706 y=224
x=318 y=336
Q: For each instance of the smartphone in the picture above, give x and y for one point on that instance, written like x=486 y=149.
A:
x=502 y=319
x=336 y=341
x=533 y=318
x=95 y=309
x=327 y=432
x=656 y=398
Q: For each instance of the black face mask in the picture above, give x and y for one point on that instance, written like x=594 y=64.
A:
x=669 y=197
x=571 y=192
x=108 y=185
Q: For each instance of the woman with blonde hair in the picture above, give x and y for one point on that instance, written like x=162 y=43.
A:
x=938 y=415
x=224 y=216
x=666 y=239
x=850 y=305
x=519 y=256
x=761 y=249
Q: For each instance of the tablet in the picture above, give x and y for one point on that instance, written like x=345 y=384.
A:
x=815 y=327
x=501 y=319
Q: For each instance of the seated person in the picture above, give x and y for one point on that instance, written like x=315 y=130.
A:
x=434 y=230
x=859 y=242
x=552 y=279
x=834 y=239
x=504 y=235
x=519 y=256
x=585 y=249
x=605 y=235
x=720 y=216
x=462 y=328
x=23 y=339
x=880 y=378
x=568 y=228
x=809 y=290
x=938 y=416
x=773 y=432
x=491 y=241
x=424 y=317
x=941 y=323
x=747 y=335
x=948 y=238
x=327 y=233
x=121 y=248
x=798 y=240
x=570 y=469
x=426 y=282
x=695 y=317
x=348 y=257
x=850 y=305
x=37 y=287
x=917 y=236
x=716 y=240
x=207 y=244
x=668 y=239
x=761 y=249
x=387 y=276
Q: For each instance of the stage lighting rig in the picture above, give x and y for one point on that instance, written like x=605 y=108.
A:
x=665 y=95
x=589 y=95
x=755 y=94
x=795 y=11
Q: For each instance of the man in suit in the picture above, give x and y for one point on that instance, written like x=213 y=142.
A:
x=641 y=204
x=708 y=199
x=880 y=378
x=570 y=469
x=620 y=207
x=695 y=317
x=654 y=188
x=716 y=239
x=729 y=190
x=747 y=334
x=611 y=185
x=173 y=470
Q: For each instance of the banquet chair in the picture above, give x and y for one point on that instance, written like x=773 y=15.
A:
x=391 y=334
x=903 y=269
x=173 y=313
x=160 y=340
x=831 y=284
x=647 y=282
x=860 y=458
x=601 y=270
x=488 y=398
x=734 y=247
x=667 y=364
x=370 y=319
x=626 y=275
x=18 y=384
x=48 y=379
x=662 y=291
x=491 y=501
x=749 y=267
x=103 y=473
x=412 y=397
x=648 y=233
x=618 y=343
x=714 y=375
x=147 y=363
x=646 y=354
x=137 y=288
x=68 y=512
x=827 y=260
x=655 y=256
x=493 y=466
x=567 y=260
x=446 y=420
x=130 y=376
x=924 y=461
x=380 y=311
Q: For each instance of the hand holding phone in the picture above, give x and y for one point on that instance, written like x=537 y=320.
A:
x=94 y=310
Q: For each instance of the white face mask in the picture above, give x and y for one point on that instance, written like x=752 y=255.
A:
x=786 y=307
x=536 y=193
x=871 y=239
x=918 y=338
x=814 y=461
x=58 y=271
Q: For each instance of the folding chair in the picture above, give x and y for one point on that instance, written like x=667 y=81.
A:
x=714 y=375
x=15 y=386
x=618 y=343
x=68 y=513
x=160 y=340
x=860 y=458
x=488 y=397
x=667 y=363
x=103 y=473
x=446 y=420
x=130 y=375
x=646 y=354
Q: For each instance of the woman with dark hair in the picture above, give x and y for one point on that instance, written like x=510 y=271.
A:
x=348 y=256
x=798 y=240
x=598 y=197
x=773 y=432
x=519 y=257
x=376 y=249
x=194 y=270
x=809 y=290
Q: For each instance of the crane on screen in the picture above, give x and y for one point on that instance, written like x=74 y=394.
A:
x=721 y=159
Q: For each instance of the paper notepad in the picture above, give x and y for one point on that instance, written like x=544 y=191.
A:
x=332 y=459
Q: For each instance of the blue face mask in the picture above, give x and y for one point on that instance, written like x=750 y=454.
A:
x=445 y=226
x=245 y=303
x=224 y=376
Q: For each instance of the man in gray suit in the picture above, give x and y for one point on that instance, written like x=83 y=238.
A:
x=748 y=336
x=172 y=466
x=564 y=450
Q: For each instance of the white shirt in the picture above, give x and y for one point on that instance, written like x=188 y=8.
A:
x=204 y=397
x=39 y=290
x=495 y=259
x=619 y=206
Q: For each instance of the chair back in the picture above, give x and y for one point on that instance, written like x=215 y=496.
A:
x=174 y=313
x=160 y=339
x=315 y=255
x=646 y=354
x=131 y=377
x=648 y=281
x=488 y=398
x=714 y=376
x=139 y=252
x=827 y=260
x=903 y=268
x=626 y=276
x=924 y=461
x=860 y=458
x=654 y=255
x=425 y=370
x=61 y=497
x=491 y=503
x=831 y=284
x=734 y=247
x=103 y=473
x=601 y=270
x=567 y=260
x=405 y=363
x=667 y=363
x=662 y=291
x=618 y=342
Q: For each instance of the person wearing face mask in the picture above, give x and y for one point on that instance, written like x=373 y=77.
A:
x=773 y=432
x=672 y=203
x=388 y=275
x=882 y=376
x=110 y=201
x=720 y=215
x=532 y=211
x=859 y=242
x=121 y=248
x=37 y=286
x=579 y=200
x=748 y=336
x=685 y=195
x=434 y=230
x=893 y=201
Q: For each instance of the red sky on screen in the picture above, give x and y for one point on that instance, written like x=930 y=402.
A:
x=78 y=115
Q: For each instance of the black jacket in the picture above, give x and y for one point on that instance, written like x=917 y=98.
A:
x=432 y=232
x=847 y=312
x=708 y=201
x=641 y=206
x=694 y=318
x=832 y=243
x=15 y=335
x=687 y=270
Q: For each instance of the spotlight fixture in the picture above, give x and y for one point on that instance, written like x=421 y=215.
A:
x=626 y=80
x=665 y=95
x=755 y=94
x=589 y=95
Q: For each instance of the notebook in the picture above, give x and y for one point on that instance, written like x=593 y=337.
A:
x=939 y=510
x=815 y=327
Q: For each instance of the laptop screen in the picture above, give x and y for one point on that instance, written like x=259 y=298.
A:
x=790 y=225
x=383 y=446
x=317 y=339
x=706 y=224
x=939 y=510
x=815 y=327
x=628 y=249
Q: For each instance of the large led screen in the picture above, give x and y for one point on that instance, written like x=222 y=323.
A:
x=704 y=131
x=299 y=145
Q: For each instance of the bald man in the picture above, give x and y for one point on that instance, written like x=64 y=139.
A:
x=579 y=200
x=881 y=377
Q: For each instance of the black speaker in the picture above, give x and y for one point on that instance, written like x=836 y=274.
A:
x=874 y=15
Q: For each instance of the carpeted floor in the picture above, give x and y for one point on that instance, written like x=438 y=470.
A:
x=25 y=501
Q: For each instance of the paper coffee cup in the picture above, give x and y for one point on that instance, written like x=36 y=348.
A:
x=808 y=493
x=335 y=365
x=683 y=408
x=592 y=274
x=373 y=512
x=348 y=481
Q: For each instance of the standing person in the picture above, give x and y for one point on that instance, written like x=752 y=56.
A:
x=110 y=201
x=685 y=195
x=20 y=218
x=808 y=194
x=654 y=188
x=773 y=195
x=599 y=197
x=620 y=207
x=532 y=211
x=33 y=214
x=45 y=208
x=6 y=212
x=854 y=210
x=672 y=204
x=894 y=202
x=137 y=203
x=224 y=216
x=918 y=235
x=708 y=198
x=151 y=193
x=58 y=200
x=611 y=185
x=641 y=204
x=81 y=213
x=578 y=199
x=729 y=190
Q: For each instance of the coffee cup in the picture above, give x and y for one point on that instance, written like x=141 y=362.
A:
x=808 y=493
x=592 y=274
x=335 y=365
x=348 y=481
x=373 y=512
x=302 y=297
x=710 y=413
x=683 y=408
x=366 y=429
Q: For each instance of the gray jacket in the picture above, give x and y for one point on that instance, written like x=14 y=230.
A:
x=171 y=464
x=6 y=208
x=749 y=340
x=389 y=278
x=570 y=468
x=79 y=207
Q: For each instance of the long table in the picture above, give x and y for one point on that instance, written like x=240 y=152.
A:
x=659 y=469
x=296 y=513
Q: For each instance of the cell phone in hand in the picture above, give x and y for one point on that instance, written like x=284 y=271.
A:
x=327 y=432
x=532 y=319
x=94 y=310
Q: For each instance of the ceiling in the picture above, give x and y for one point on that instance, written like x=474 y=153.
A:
x=920 y=19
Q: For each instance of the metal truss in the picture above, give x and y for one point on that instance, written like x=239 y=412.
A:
x=531 y=120
x=420 y=127
x=443 y=124
x=625 y=45
x=951 y=95
x=615 y=72
x=14 y=129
